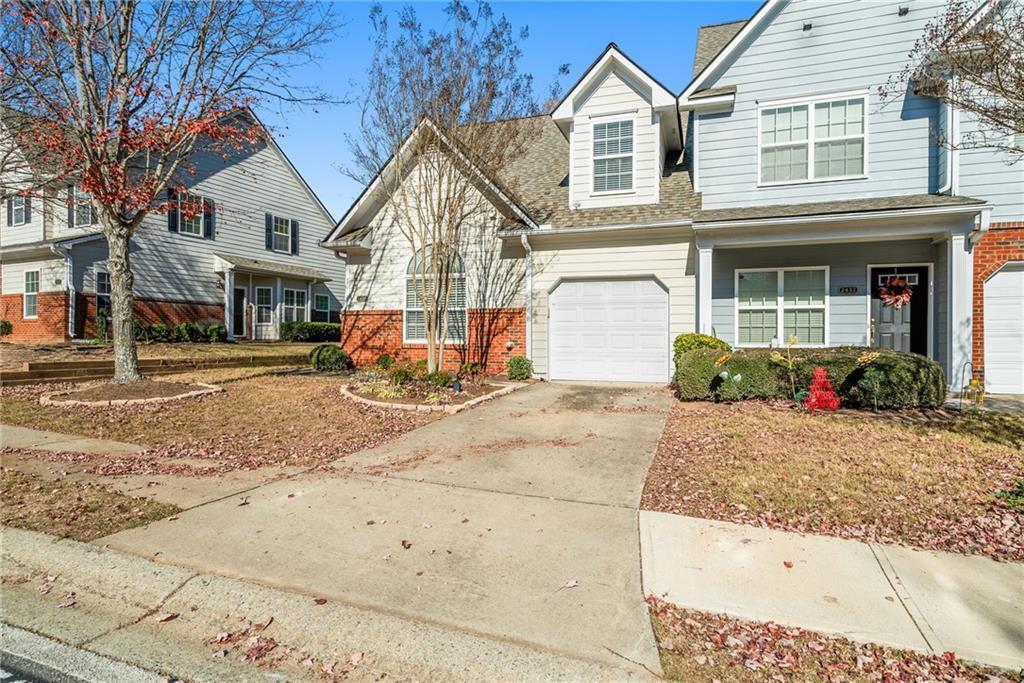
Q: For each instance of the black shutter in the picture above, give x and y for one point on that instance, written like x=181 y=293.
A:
x=28 y=208
x=71 y=206
x=270 y=232
x=10 y=212
x=209 y=212
x=295 y=237
x=172 y=210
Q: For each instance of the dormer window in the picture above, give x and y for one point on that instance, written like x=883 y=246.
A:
x=613 y=156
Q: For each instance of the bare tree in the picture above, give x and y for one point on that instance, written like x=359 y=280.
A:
x=445 y=111
x=117 y=96
x=972 y=58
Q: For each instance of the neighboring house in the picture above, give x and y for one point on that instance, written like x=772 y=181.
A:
x=772 y=198
x=249 y=260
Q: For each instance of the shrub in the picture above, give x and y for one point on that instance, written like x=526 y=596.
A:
x=519 y=368
x=330 y=358
x=140 y=331
x=102 y=325
x=419 y=370
x=159 y=332
x=400 y=374
x=471 y=369
x=187 y=332
x=385 y=362
x=216 y=333
x=440 y=378
x=5 y=327
x=895 y=379
x=310 y=332
x=691 y=341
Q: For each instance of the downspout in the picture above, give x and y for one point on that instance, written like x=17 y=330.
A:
x=953 y=158
x=529 y=295
x=69 y=273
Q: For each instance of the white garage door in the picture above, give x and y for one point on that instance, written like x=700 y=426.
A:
x=1004 y=331
x=613 y=330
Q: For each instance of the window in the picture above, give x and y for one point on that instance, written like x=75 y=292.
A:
x=415 y=319
x=794 y=148
x=19 y=210
x=264 y=306
x=294 y=305
x=282 y=234
x=102 y=292
x=31 y=297
x=191 y=210
x=82 y=208
x=613 y=156
x=774 y=305
x=321 y=308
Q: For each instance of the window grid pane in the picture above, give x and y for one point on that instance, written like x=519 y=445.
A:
x=760 y=289
x=613 y=160
x=282 y=234
x=31 y=294
x=18 y=210
x=807 y=325
x=803 y=288
x=757 y=327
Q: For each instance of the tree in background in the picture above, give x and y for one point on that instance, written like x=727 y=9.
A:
x=972 y=58
x=444 y=114
x=116 y=96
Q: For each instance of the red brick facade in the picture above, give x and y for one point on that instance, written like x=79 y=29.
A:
x=51 y=325
x=147 y=312
x=495 y=334
x=1002 y=243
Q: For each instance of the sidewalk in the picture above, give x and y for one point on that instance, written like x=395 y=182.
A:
x=927 y=601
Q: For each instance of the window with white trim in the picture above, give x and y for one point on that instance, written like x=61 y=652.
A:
x=294 y=305
x=19 y=210
x=102 y=292
x=82 y=202
x=264 y=306
x=30 y=298
x=415 y=326
x=282 y=235
x=613 y=156
x=321 y=308
x=773 y=306
x=191 y=212
x=820 y=140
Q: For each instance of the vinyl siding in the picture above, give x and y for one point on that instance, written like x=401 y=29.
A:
x=32 y=231
x=669 y=259
x=51 y=275
x=990 y=175
x=848 y=313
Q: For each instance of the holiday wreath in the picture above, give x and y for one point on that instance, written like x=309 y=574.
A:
x=896 y=292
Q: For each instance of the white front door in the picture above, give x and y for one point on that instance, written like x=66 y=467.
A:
x=1004 y=331
x=610 y=330
x=263 y=327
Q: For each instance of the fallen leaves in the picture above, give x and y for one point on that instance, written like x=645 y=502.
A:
x=166 y=616
x=787 y=564
x=568 y=584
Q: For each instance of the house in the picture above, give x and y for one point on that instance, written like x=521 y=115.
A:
x=772 y=198
x=250 y=259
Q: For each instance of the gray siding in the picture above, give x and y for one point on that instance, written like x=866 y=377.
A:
x=992 y=175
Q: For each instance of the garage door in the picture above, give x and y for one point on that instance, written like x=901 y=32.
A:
x=612 y=330
x=1004 y=331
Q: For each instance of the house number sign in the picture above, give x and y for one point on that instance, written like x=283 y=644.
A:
x=848 y=290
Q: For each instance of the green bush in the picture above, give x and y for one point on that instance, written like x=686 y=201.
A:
x=519 y=368
x=895 y=379
x=691 y=341
x=140 y=331
x=330 y=358
x=400 y=374
x=5 y=327
x=419 y=370
x=217 y=333
x=159 y=332
x=385 y=362
x=440 y=378
x=310 y=332
x=187 y=332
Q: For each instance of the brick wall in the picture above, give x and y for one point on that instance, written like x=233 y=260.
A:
x=147 y=312
x=1002 y=243
x=367 y=335
x=50 y=326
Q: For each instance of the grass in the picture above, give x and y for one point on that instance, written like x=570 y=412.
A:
x=698 y=646
x=72 y=509
x=12 y=356
x=865 y=478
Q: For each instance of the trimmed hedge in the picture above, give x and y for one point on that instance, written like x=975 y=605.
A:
x=310 y=332
x=693 y=340
x=907 y=380
x=187 y=332
x=330 y=358
x=519 y=368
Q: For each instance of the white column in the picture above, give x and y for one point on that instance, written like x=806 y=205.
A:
x=961 y=296
x=309 y=301
x=704 y=290
x=279 y=308
x=229 y=302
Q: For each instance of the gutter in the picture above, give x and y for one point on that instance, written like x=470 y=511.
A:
x=949 y=187
x=832 y=218
x=680 y=223
x=525 y=241
x=64 y=251
x=974 y=236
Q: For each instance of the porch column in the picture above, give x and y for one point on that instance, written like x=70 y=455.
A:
x=229 y=302
x=961 y=294
x=279 y=309
x=704 y=290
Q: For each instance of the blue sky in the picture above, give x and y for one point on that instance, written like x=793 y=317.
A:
x=660 y=36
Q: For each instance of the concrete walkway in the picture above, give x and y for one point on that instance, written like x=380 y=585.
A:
x=515 y=520
x=927 y=601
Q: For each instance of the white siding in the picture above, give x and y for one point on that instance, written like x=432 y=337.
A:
x=669 y=259
x=51 y=275
x=32 y=231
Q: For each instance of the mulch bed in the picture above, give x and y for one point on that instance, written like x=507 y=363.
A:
x=416 y=393
x=698 y=646
x=932 y=486
x=145 y=389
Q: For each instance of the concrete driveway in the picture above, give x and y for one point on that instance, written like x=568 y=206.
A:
x=517 y=519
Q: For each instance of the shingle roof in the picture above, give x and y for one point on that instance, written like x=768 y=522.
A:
x=913 y=201
x=274 y=267
x=710 y=41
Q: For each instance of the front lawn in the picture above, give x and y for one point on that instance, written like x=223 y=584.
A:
x=937 y=485
x=267 y=420
x=73 y=509
x=14 y=356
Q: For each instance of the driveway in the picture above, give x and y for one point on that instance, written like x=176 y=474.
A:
x=517 y=519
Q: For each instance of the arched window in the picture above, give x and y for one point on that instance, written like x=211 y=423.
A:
x=415 y=319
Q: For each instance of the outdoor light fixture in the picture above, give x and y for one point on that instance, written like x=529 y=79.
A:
x=807 y=26
x=903 y=11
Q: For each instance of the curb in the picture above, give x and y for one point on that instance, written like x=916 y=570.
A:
x=449 y=409
x=47 y=399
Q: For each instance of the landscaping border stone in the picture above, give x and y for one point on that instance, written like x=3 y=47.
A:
x=505 y=389
x=48 y=399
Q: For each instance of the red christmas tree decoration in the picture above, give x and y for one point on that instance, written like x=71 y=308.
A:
x=821 y=396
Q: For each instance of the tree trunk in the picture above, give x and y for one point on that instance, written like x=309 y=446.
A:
x=122 y=303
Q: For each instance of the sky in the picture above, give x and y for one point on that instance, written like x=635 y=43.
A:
x=659 y=36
